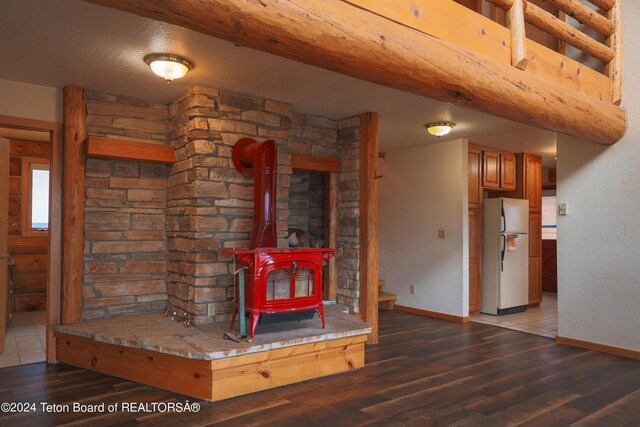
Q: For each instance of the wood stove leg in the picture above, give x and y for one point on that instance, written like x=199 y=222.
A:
x=321 y=310
x=255 y=317
x=233 y=318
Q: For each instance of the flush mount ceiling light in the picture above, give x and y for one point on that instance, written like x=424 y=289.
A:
x=168 y=66
x=439 y=128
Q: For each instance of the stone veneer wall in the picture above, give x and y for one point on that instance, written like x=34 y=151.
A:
x=349 y=213
x=306 y=203
x=125 y=255
x=210 y=204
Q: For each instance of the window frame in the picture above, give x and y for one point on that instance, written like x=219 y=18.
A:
x=27 y=172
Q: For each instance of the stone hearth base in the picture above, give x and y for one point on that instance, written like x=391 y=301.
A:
x=198 y=362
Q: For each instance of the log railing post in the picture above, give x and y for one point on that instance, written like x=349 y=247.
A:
x=515 y=21
x=614 y=67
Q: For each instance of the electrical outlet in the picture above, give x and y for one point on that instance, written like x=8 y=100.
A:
x=412 y=289
x=211 y=309
x=442 y=234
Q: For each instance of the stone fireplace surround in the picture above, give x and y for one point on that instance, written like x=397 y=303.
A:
x=207 y=204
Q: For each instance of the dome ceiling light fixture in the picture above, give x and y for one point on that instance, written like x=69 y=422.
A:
x=439 y=128
x=168 y=65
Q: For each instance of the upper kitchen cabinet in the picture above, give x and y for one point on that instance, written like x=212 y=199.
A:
x=490 y=169
x=508 y=171
x=528 y=180
x=475 y=171
x=498 y=170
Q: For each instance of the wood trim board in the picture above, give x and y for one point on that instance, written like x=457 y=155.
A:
x=618 y=351
x=437 y=315
x=120 y=149
x=315 y=163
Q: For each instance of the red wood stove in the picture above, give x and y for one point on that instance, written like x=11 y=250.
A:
x=277 y=280
x=280 y=281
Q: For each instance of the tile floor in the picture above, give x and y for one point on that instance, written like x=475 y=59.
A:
x=541 y=320
x=25 y=339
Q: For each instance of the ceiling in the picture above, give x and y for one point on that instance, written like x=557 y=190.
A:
x=71 y=42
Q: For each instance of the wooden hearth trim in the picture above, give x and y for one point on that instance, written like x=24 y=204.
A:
x=120 y=149
x=218 y=379
x=174 y=373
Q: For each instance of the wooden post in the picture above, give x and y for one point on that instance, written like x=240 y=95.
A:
x=331 y=233
x=347 y=39
x=74 y=99
x=369 y=222
x=614 y=68
x=562 y=45
x=515 y=20
x=4 y=241
x=55 y=239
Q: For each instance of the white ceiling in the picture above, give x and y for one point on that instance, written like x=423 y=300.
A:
x=71 y=42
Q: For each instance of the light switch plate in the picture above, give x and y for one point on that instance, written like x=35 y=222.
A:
x=442 y=234
x=562 y=209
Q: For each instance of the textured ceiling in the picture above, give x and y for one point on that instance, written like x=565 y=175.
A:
x=71 y=42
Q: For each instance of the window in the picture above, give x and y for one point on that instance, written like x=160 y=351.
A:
x=35 y=196
x=549 y=230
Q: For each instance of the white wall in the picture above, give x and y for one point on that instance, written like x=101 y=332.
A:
x=599 y=239
x=424 y=190
x=30 y=101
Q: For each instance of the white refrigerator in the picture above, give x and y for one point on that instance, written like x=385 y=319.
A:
x=505 y=256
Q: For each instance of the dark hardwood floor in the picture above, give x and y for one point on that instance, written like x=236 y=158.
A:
x=424 y=372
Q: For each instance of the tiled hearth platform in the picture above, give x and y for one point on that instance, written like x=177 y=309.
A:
x=199 y=362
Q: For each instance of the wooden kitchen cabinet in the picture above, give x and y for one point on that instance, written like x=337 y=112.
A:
x=535 y=278
x=498 y=170
x=475 y=260
x=491 y=169
x=528 y=181
x=535 y=258
x=475 y=169
x=508 y=171
x=533 y=181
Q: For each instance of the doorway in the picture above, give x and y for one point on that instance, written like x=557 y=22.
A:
x=30 y=263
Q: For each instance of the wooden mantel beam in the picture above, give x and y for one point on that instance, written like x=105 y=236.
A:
x=335 y=35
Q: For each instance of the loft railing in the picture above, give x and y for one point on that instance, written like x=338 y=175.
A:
x=606 y=24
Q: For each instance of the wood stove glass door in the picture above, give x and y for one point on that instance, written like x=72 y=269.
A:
x=290 y=281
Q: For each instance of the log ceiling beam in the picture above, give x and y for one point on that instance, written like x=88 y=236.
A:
x=338 y=36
